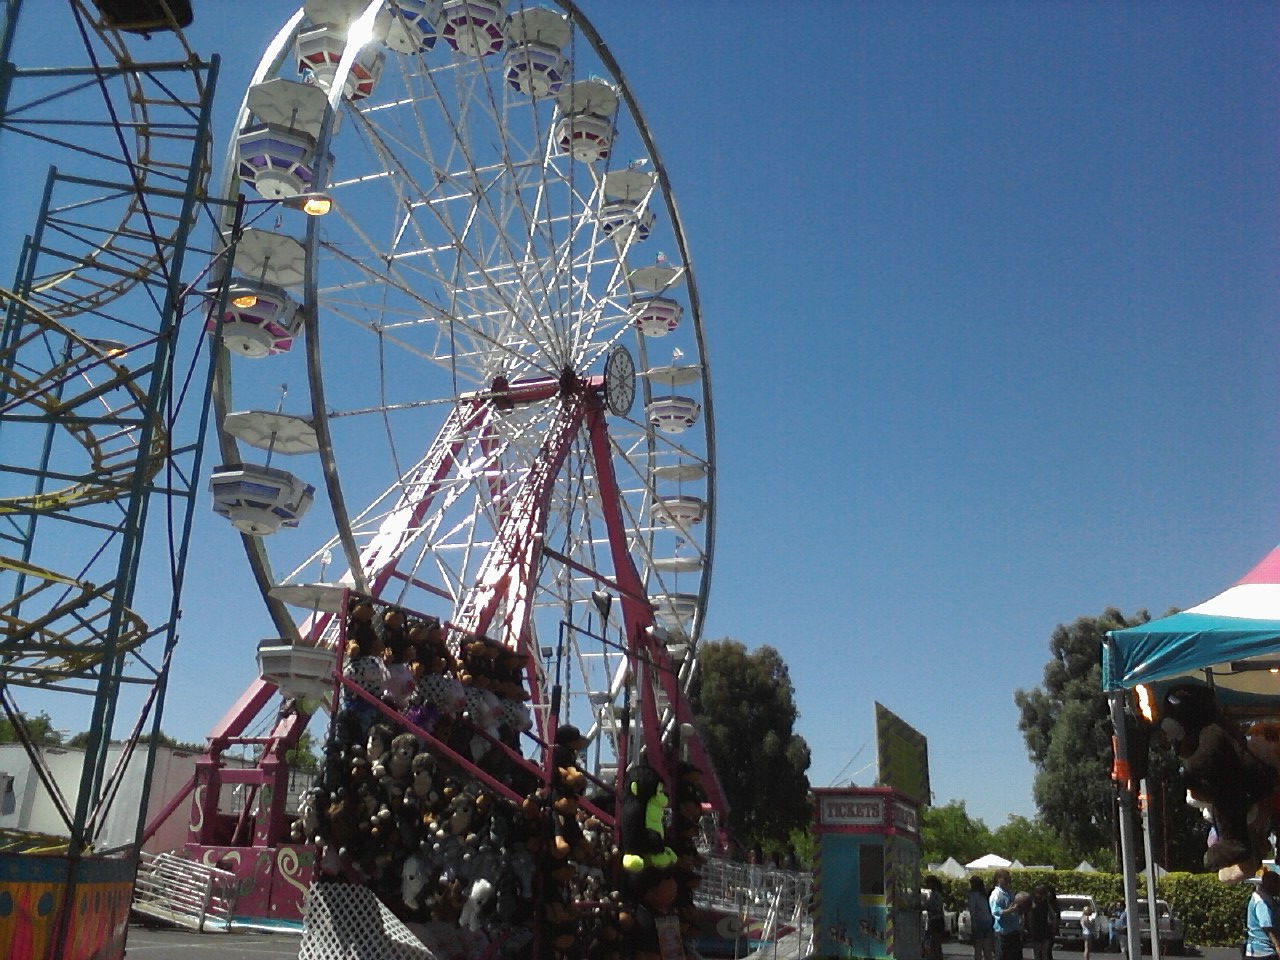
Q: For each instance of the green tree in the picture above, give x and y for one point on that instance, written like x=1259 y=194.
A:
x=1066 y=723
x=39 y=730
x=745 y=707
x=1033 y=842
x=1067 y=728
x=949 y=831
x=305 y=754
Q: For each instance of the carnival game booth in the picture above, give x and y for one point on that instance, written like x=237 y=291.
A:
x=1209 y=679
x=867 y=879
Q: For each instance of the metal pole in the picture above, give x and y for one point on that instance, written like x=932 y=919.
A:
x=1128 y=860
x=1152 y=889
x=7 y=30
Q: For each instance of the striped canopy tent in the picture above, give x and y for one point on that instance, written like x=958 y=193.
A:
x=1231 y=640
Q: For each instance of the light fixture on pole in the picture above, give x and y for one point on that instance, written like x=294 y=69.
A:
x=312 y=204
x=603 y=601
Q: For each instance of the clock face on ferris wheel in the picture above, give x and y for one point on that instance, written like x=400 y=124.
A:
x=620 y=381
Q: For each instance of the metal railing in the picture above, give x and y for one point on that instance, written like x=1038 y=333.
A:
x=182 y=892
x=774 y=897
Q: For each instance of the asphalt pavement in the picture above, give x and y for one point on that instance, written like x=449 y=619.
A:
x=153 y=943
x=156 y=943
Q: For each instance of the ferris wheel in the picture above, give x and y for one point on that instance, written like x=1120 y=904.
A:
x=477 y=387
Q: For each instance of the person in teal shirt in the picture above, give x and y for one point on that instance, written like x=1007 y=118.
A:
x=1007 y=915
x=1260 y=935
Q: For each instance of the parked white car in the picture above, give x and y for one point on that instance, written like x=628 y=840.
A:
x=1070 y=908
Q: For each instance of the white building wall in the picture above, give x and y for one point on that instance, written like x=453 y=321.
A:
x=26 y=805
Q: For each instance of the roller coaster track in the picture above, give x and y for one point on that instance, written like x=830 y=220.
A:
x=145 y=131
x=104 y=413
x=87 y=346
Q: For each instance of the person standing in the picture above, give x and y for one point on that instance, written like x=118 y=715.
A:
x=1055 y=916
x=981 y=925
x=1006 y=915
x=1088 y=930
x=1260 y=934
x=935 y=912
x=1120 y=928
x=1040 y=923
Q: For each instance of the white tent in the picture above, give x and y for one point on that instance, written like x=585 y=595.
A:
x=988 y=861
x=1084 y=866
x=952 y=868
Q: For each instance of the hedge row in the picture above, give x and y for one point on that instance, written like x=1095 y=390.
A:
x=1212 y=912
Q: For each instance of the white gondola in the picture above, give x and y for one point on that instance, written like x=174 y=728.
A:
x=688 y=564
x=259 y=500
x=272 y=431
x=675 y=375
x=585 y=127
x=277 y=152
x=260 y=320
x=408 y=26
x=535 y=69
x=276 y=162
x=629 y=184
x=319 y=50
x=316 y=597
x=656 y=316
x=681 y=472
x=270 y=258
x=304 y=673
x=288 y=104
x=673 y=414
x=679 y=510
x=473 y=27
x=675 y=611
x=586 y=137
x=534 y=62
x=626 y=221
x=658 y=278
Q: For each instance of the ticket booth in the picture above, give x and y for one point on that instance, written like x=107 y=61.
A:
x=867 y=876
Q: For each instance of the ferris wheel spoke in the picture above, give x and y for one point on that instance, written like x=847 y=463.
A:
x=477 y=188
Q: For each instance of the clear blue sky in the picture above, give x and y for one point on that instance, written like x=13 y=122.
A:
x=990 y=293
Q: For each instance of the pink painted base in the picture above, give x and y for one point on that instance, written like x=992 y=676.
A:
x=272 y=881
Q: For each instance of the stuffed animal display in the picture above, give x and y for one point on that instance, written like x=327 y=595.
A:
x=442 y=849
x=1231 y=779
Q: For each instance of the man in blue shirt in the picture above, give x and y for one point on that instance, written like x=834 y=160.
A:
x=1008 y=918
x=1260 y=934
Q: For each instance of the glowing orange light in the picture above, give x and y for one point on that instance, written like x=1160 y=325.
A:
x=1145 y=707
x=245 y=302
x=317 y=206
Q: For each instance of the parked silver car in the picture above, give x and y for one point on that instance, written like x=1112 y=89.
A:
x=1170 y=928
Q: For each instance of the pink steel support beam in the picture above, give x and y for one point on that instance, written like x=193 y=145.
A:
x=379 y=560
x=509 y=573
x=638 y=617
x=637 y=612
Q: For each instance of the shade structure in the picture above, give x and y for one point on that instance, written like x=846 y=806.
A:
x=1231 y=639
x=951 y=868
x=988 y=861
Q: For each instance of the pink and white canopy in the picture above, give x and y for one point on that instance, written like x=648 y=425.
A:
x=1233 y=638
